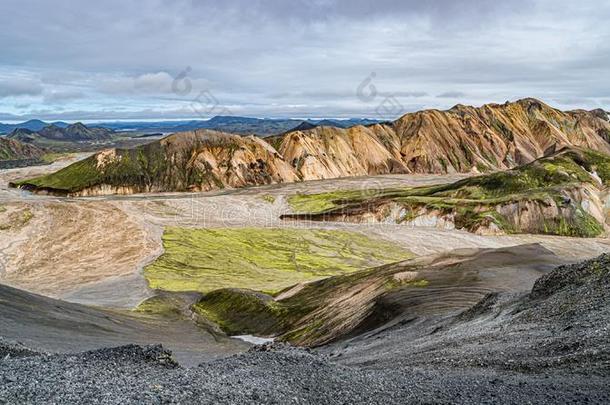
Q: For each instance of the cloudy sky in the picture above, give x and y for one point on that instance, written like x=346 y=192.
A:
x=161 y=59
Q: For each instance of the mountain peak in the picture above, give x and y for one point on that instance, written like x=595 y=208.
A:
x=76 y=125
x=303 y=126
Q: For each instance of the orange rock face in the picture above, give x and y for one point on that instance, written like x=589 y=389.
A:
x=462 y=139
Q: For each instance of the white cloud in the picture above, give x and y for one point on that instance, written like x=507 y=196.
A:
x=148 y=83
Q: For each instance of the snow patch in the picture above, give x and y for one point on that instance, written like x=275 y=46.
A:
x=255 y=340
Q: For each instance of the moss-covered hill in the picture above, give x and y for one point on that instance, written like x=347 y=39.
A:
x=189 y=161
x=320 y=312
x=553 y=195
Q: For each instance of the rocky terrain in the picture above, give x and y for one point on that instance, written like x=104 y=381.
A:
x=548 y=345
x=463 y=139
x=463 y=301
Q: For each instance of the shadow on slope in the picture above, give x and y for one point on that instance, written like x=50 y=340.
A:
x=60 y=326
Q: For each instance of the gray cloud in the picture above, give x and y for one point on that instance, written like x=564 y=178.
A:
x=19 y=87
x=62 y=96
x=451 y=94
x=299 y=58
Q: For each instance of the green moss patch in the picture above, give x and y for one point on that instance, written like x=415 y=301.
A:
x=262 y=259
x=268 y=198
x=238 y=311
x=322 y=202
x=161 y=305
x=75 y=177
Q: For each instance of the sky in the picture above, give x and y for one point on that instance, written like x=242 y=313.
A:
x=171 y=59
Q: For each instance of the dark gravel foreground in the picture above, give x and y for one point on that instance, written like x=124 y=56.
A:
x=549 y=346
x=269 y=375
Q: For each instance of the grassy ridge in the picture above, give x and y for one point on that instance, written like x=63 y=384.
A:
x=474 y=200
x=143 y=166
x=262 y=259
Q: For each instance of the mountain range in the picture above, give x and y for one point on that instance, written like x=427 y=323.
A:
x=233 y=124
x=32 y=125
x=463 y=139
x=70 y=132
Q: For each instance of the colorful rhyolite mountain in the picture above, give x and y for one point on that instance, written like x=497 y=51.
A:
x=11 y=149
x=462 y=139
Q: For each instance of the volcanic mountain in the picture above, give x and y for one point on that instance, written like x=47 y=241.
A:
x=462 y=139
x=73 y=132
x=187 y=161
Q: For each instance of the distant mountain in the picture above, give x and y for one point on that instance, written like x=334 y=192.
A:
x=73 y=132
x=32 y=125
x=232 y=124
x=303 y=126
x=344 y=123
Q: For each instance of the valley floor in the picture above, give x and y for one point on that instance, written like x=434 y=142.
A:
x=93 y=250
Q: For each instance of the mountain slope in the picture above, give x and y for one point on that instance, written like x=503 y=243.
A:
x=462 y=139
x=494 y=136
x=11 y=149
